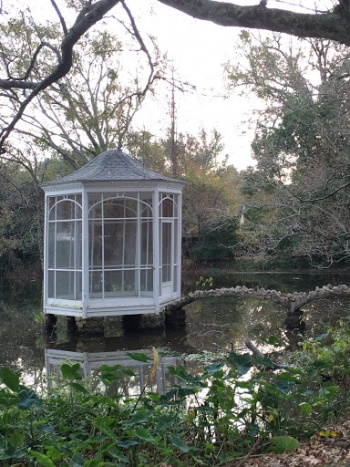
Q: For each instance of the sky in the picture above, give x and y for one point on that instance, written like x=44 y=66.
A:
x=198 y=49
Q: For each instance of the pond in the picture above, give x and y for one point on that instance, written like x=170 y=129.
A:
x=212 y=325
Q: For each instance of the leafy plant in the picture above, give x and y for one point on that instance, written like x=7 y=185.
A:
x=280 y=444
x=235 y=404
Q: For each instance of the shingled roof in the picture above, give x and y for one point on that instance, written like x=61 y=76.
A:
x=111 y=165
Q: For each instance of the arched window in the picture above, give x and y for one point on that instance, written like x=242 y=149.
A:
x=64 y=247
x=169 y=241
x=120 y=245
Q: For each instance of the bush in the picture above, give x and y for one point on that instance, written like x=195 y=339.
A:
x=216 y=240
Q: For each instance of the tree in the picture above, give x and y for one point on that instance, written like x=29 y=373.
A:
x=212 y=186
x=89 y=111
x=332 y=23
x=299 y=194
x=20 y=220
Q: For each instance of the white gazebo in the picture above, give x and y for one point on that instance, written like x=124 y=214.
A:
x=112 y=239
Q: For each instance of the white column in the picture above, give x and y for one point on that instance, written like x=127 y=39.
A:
x=85 y=252
x=156 y=249
x=179 y=240
x=46 y=246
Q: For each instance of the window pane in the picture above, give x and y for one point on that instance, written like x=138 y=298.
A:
x=114 y=208
x=146 y=243
x=113 y=243
x=65 y=284
x=65 y=245
x=147 y=280
x=95 y=212
x=51 y=245
x=78 y=244
x=175 y=282
x=131 y=208
x=166 y=251
x=78 y=285
x=130 y=244
x=129 y=281
x=51 y=284
x=95 y=244
x=65 y=210
x=176 y=203
x=167 y=208
x=95 y=284
x=146 y=205
x=114 y=282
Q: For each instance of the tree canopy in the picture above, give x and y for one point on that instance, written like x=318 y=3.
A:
x=297 y=197
x=24 y=86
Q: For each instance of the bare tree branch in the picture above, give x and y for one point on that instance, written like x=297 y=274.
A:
x=59 y=14
x=85 y=20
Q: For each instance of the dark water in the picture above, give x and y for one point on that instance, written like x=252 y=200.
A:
x=212 y=325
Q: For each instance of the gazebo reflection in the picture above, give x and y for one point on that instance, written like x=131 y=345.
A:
x=133 y=374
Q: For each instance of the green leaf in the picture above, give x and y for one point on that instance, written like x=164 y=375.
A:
x=71 y=371
x=128 y=372
x=243 y=362
x=177 y=442
x=321 y=337
x=306 y=408
x=79 y=387
x=7 y=399
x=116 y=454
x=140 y=416
x=28 y=398
x=284 y=386
x=182 y=374
x=96 y=462
x=14 y=439
x=214 y=368
x=144 y=435
x=264 y=361
x=102 y=425
x=127 y=443
x=42 y=459
x=281 y=444
x=140 y=357
x=10 y=379
x=275 y=341
x=46 y=428
x=109 y=374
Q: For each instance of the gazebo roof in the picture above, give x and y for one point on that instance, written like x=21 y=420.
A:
x=111 y=165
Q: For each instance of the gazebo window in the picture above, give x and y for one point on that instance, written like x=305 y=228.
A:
x=112 y=239
x=120 y=245
x=64 y=247
x=168 y=228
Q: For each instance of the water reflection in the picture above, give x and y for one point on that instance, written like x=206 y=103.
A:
x=222 y=324
x=134 y=376
x=213 y=324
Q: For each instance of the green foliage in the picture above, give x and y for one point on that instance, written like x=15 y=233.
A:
x=216 y=240
x=282 y=444
x=20 y=221
x=297 y=195
x=206 y=419
x=207 y=283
